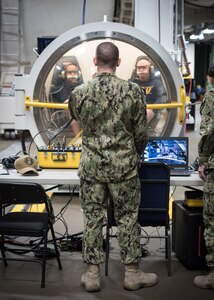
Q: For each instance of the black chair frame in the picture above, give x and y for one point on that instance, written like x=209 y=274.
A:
x=153 y=209
x=26 y=223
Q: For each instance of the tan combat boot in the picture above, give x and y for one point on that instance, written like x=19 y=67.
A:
x=205 y=282
x=91 y=279
x=136 y=279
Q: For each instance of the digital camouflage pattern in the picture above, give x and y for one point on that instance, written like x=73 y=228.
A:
x=206 y=144
x=208 y=216
x=112 y=113
x=126 y=197
x=206 y=156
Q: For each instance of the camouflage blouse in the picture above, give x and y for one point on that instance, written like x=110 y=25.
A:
x=206 y=144
x=112 y=113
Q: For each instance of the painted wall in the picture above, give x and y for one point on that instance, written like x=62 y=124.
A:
x=53 y=17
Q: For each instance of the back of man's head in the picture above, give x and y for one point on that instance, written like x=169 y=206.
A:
x=107 y=54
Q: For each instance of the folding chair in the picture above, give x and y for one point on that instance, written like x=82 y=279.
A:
x=25 y=223
x=154 y=204
x=153 y=209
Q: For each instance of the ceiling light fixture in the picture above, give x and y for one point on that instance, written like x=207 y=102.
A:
x=208 y=31
x=194 y=37
x=197 y=36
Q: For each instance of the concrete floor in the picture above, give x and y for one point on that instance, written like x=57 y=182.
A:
x=21 y=281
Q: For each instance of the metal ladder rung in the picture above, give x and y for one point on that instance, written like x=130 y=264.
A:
x=10 y=34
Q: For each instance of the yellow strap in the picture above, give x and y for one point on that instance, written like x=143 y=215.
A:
x=75 y=138
x=33 y=207
x=18 y=208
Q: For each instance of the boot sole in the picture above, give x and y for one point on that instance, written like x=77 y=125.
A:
x=90 y=289
x=205 y=287
x=138 y=286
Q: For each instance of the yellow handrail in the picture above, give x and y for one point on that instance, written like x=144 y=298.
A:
x=37 y=103
x=181 y=104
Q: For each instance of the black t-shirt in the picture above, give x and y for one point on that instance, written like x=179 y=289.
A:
x=153 y=89
x=61 y=91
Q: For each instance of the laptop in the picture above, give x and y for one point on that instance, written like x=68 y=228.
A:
x=173 y=151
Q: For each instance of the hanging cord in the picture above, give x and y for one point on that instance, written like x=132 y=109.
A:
x=61 y=129
x=83 y=12
x=32 y=140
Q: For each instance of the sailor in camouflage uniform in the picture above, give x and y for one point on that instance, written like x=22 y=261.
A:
x=112 y=113
x=206 y=172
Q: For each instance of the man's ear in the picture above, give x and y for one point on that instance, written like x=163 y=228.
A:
x=95 y=61
x=118 y=62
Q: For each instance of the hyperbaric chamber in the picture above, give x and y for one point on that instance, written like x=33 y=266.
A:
x=44 y=87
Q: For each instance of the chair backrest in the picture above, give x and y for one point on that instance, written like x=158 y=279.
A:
x=155 y=185
x=21 y=193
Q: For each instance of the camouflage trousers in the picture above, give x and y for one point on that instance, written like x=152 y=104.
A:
x=94 y=200
x=208 y=216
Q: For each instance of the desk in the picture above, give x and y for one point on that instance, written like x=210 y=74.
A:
x=68 y=176
x=45 y=177
x=192 y=180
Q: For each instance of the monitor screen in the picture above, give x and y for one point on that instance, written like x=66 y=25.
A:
x=172 y=151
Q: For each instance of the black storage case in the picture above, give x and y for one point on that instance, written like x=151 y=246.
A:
x=187 y=235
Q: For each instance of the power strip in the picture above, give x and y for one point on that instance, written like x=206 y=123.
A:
x=50 y=253
x=71 y=244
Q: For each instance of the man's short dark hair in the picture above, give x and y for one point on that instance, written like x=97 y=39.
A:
x=211 y=71
x=107 y=54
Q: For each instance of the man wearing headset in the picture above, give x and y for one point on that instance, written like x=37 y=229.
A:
x=66 y=77
x=154 y=90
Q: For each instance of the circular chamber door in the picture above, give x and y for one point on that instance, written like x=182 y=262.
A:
x=68 y=62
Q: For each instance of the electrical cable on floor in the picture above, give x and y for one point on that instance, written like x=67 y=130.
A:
x=66 y=241
x=60 y=215
x=32 y=247
x=33 y=244
x=144 y=245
